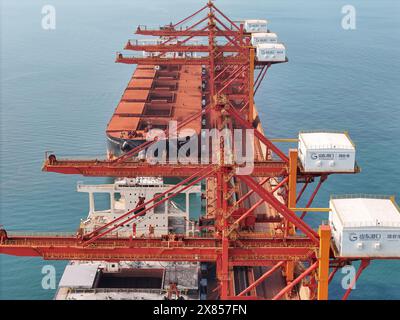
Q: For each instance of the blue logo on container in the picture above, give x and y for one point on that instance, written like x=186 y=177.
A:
x=353 y=237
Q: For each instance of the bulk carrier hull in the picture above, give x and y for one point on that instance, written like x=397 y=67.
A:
x=117 y=147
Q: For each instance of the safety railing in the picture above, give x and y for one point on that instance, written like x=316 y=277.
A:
x=116 y=290
x=369 y=224
x=69 y=157
x=40 y=234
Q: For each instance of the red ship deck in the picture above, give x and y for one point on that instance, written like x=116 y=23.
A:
x=155 y=97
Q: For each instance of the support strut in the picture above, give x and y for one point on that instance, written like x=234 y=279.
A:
x=281 y=208
x=261 y=279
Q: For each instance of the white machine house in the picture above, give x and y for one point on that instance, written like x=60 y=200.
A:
x=170 y=217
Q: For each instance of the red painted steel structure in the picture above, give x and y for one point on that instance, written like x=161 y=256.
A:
x=230 y=90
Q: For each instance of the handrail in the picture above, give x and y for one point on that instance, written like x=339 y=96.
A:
x=361 y=195
x=40 y=234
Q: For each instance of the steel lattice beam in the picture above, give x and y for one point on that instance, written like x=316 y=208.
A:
x=157 y=249
x=106 y=168
x=281 y=208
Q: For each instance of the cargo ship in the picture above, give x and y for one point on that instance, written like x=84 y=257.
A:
x=208 y=230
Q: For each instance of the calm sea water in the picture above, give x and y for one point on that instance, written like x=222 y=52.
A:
x=59 y=88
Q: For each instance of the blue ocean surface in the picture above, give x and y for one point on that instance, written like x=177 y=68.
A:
x=59 y=88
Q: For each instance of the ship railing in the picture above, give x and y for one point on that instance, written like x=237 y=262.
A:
x=126 y=290
x=82 y=185
x=116 y=290
x=55 y=234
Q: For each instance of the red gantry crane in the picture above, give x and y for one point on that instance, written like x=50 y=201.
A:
x=225 y=52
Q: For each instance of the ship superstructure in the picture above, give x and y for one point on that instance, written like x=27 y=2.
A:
x=170 y=217
x=136 y=280
x=250 y=240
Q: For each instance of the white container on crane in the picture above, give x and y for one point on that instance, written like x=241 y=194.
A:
x=263 y=37
x=365 y=226
x=326 y=152
x=271 y=52
x=251 y=26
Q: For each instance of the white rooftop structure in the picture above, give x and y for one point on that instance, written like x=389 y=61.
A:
x=322 y=140
x=326 y=152
x=366 y=212
x=271 y=52
x=365 y=226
